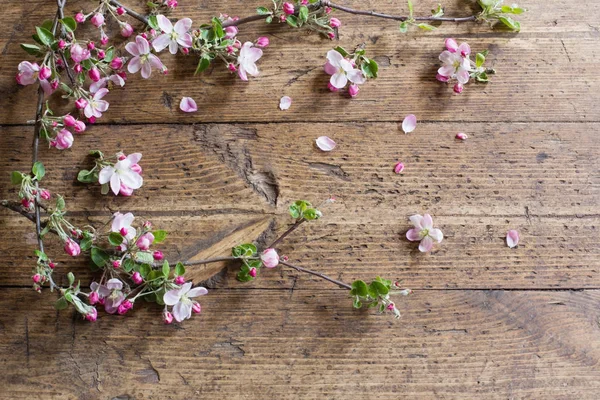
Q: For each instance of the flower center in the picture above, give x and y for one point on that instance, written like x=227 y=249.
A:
x=174 y=35
x=424 y=233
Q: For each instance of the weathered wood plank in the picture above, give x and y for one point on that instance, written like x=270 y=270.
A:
x=529 y=86
x=265 y=344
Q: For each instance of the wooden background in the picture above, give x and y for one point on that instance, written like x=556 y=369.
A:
x=484 y=321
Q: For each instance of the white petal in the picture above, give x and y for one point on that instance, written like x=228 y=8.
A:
x=512 y=238
x=134 y=65
x=132 y=48
x=173 y=47
x=114 y=284
x=427 y=222
x=186 y=287
x=164 y=24
x=334 y=58
x=356 y=76
x=426 y=244
x=188 y=105
x=195 y=292
x=155 y=61
x=143 y=45
x=161 y=42
x=325 y=143
x=115 y=184
x=183 y=25
x=185 y=40
x=285 y=103
x=417 y=221
x=409 y=124
x=131 y=179
x=134 y=158
x=339 y=80
x=436 y=234
x=146 y=70
x=182 y=311
x=447 y=58
x=105 y=175
x=463 y=76
x=172 y=297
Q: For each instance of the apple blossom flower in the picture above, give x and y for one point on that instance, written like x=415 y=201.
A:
x=142 y=58
x=122 y=172
x=69 y=120
x=247 y=60
x=458 y=88
x=399 y=167
x=409 y=124
x=172 y=3
x=455 y=66
x=122 y=223
x=72 y=248
x=144 y=241
x=188 y=105
x=121 y=11
x=335 y=23
x=29 y=73
x=116 y=264
x=181 y=301
x=79 y=53
x=285 y=102
x=101 y=290
x=288 y=8
x=36 y=278
x=270 y=258
x=512 y=238
x=424 y=232
x=96 y=106
x=115 y=297
x=325 y=143
x=173 y=36
x=342 y=70
x=64 y=140
x=262 y=41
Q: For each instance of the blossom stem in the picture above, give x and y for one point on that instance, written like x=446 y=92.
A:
x=318 y=274
x=129 y=11
x=286 y=233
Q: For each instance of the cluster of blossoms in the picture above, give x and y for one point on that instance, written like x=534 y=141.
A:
x=29 y=186
x=353 y=68
x=307 y=14
x=121 y=177
x=457 y=65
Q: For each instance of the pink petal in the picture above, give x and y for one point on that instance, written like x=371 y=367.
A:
x=436 y=234
x=183 y=26
x=427 y=222
x=325 y=143
x=409 y=124
x=414 y=235
x=426 y=244
x=461 y=136
x=512 y=238
x=198 y=291
x=134 y=65
x=188 y=105
x=161 y=42
x=285 y=103
x=451 y=45
x=132 y=48
x=417 y=220
x=172 y=297
x=329 y=69
x=399 y=167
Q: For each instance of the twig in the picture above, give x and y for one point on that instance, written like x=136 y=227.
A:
x=318 y=274
x=129 y=11
x=201 y=262
x=16 y=207
x=286 y=233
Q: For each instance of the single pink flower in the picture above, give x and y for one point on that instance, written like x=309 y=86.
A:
x=188 y=105
x=29 y=73
x=424 y=232
x=409 y=124
x=45 y=194
x=113 y=300
x=342 y=70
x=36 y=278
x=247 y=59
x=79 y=127
x=142 y=58
x=458 y=88
x=173 y=36
x=325 y=143
x=270 y=258
x=79 y=53
x=117 y=63
x=512 y=239
x=94 y=74
x=181 y=301
x=69 y=120
x=125 y=306
x=121 y=11
x=122 y=172
x=96 y=106
x=455 y=66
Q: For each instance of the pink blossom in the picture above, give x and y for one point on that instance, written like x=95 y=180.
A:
x=79 y=53
x=125 y=306
x=181 y=301
x=126 y=30
x=247 y=59
x=424 y=232
x=79 y=127
x=97 y=20
x=81 y=103
x=72 y=248
x=353 y=90
x=399 y=167
x=36 y=278
x=122 y=223
x=62 y=44
x=231 y=32
x=122 y=172
x=116 y=264
x=172 y=3
x=335 y=23
x=96 y=106
x=115 y=296
x=137 y=278
x=231 y=67
x=45 y=194
x=461 y=136
x=120 y=11
x=69 y=120
x=409 y=124
x=142 y=59
x=512 y=238
x=103 y=39
x=167 y=318
x=173 y=36
x=180 y=280
x=94 y=74
x=64 y=139
x=325 y=143
x=342 y=71
x=29 y=73
x=93 y=298
x=188 y=105
x=288 y=8
x=270 y=258
x=451 y=45
x=45 y=73
x=262 y=41
x=91 y=45
x=117 y=63
x=455 y=66
x=458 y=88
x=252 y=272
x=285 y=102
x=101 y=54
x=79 y=17
x=92 y=314
x=78 y=68
x=196 y=307
x=331 y=35
x=144 y=242
x=158 y=255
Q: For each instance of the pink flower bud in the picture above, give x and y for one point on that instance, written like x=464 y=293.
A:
x=185 y=50
x=283 y=18
x=167 y=318
x=137 y=278
x=36 y=278
x=144 y=35
x=78 y=68
x=288 y=8
x=79 y=17
x=328 y=10
x=104 y=40
x=451 y=45
x=123 y=231
x=124 y=307
x=51 y=265
x=120 y=10
x=91 y=46
x=94 y=297
x=116 y=264
x=45 y=73
x=252 y=272
x=81 y=103
x=458 y=88
x=442 y=78
x=335 y=23
x=304 y=2
x=116 y=63
x=126 y=30
x=64 y=139
x=54 y=124
x=144 y=242
x=230 y=32
x=461 y=136
x=262 y=41
x=92 y=120
x=79 y=127
x=92 y=315
x=72 y=248
x=399 y=167
x=147 y=225
x=45 y=194
x=230 y=49
x=172 y=3
x=331 y=35
x=270 y=258
x=353 y=90
x=54 y=84
x=332 y=88
x=390 y=306
x=69 y=120
x=101 y=54
x=94 y=74
x=136 y=168
x=26 y=203
x=180 y=280
x=125 y=190
x=62 y=44
x=232 y=67
x=121 y=157
x=97 y=20
x=158 y=255
x=59 y=63
x=196 y=308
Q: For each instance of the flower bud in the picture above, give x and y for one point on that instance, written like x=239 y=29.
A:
x=78 y=68
x=125 y=306
x=45 y=194
x=353 y=90
x=328 y=10
x=331 y=35
x=120 y=10
x=36 y=278
x=158 y=255
x=252 y=272
x=72 y=248
x=288 y=8
x=391 y=306
x=62 y=44
x=45 y=73
x=117 y=63
x=230 y=32
x=26 y=203
x=97 y=20
x=116 y=264
x=137 y=278
x=458 y=88
x=196 y=308
x=64 y=140
x=69 y=120
x=101 y=54
x=91 y=46
x=451 y=45
x=232 y=67
x=144 y=242
x=81 y=103
x=126 y=30
x=94 y=74
x=51 y=265
x=92 y=120
x=121 y=156
x=136 y=168
x=79 y=127
x=262 y=41
x=93 y=298
x=104 y=40
x=147 y=225
x=270 y=258
x=92 y=315
x=79 y=17
x=180 y=280
x=185 y=50
x=172 y=3
x=54 y=84
x=167 y=318
x=335 y=23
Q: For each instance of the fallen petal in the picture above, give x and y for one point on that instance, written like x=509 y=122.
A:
x=512 y=238
x=398 y=168
x=188 y=105
x=325 y=143
x=409 y=124
x=285 y=103
x=461 y=136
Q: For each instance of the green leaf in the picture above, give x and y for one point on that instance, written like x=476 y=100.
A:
x=166 y=269
x=109 y=54
x=71 y=278
x=244 y=250
x=69 y=23
x=153 y=22
x=159 y=236
x=61 y=304
x=85 y=244
x=342 y=51
x=438 y=12
x=85 y=176
x=99 y=257
x=359 y=288
x=96 y=153
x=179 y=269
x=203 y=63
x=128 y=265
x=404 y=27
x=480 y=59
x=426 y=27
x=44 y=35
x=379 y=288
x=269 y=19
x=115 y=238
x=369 y=68
x=144 y=257
x=511 y=23
x=41 y=255
x=218 y=27
x=482 y=77
x=243 y=277
x=38 y=170
x=144 y=270
x=16 y=178
x=31 y=49
x=303 y=13
x=410 y=9
x=263 y=11
x=292 y=21
x=60 y=203
x=311 y=214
